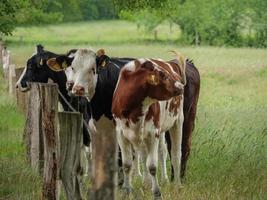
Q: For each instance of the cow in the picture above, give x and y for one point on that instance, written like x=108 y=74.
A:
x=104 y=71
x=38 y=71
x=152 y=105
x=95 y=76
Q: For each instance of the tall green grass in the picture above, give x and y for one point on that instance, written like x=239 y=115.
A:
x=17 y=181
x=229 y=147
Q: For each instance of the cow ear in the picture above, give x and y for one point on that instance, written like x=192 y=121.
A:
x=59 y=63
x=100 y=52
x=148 y=65
x=102 y=61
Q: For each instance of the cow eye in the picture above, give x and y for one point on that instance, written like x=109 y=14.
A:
x=163 y=75
x=93 y=70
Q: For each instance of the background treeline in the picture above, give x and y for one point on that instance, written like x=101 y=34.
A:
x=202 y=22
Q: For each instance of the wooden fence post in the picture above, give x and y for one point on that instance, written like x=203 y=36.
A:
x=6 y=62
x=49 y=103
x=42 y=137
x=104 y=160
x=21 y=97
x=70 y=133
x=33 y=135
x=11 y=79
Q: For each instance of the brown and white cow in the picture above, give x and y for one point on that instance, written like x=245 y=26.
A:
x=148 y=101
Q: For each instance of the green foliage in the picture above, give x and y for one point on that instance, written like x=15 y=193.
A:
x=95 y=9
x=21 y=12
x=8 y=10
x=136 y=5
x=149 y=19
x=204 y=22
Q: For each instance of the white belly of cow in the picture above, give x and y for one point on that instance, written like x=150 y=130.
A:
x=136 y=132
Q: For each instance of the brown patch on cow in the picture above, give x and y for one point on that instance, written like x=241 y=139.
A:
x=154 y=114
x=175 y=105
x=128 y=105
x=132 y=116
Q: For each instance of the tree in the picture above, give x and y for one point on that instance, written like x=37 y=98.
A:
x=7 y=16
x=21 y=12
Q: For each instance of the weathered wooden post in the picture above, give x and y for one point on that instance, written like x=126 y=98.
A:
x=33 y=135
x=70 y=133
x=104 y=160
x=42 y=137
x=11 y=79
x=6 y=61
x=49 y=106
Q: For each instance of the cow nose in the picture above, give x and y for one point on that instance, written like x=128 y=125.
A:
x=69 y=85
x=78 y=90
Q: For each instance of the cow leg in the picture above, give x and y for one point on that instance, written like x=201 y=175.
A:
x=162 y=153
x=152 y=144
x=136 y=163
x=126 y=152
x=188 y=127
x=176 y=140
x=146 y=175
x=120 y=169
x=168 y=141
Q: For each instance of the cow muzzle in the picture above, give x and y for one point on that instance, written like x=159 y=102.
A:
x=78 y=90
x=22 y=88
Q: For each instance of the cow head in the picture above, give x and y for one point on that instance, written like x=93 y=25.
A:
x=82 y=70
x=36 y=69
x=159 y=82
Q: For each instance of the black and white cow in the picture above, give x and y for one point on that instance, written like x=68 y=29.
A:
x=38 y=71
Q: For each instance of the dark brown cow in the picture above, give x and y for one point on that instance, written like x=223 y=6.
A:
x=191 y=94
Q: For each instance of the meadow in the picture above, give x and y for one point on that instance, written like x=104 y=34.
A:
x=229 y=147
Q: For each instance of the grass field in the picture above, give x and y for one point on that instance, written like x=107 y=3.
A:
x=229 y=150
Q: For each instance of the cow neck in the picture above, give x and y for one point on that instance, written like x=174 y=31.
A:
x=133 y=103
x=102 y=99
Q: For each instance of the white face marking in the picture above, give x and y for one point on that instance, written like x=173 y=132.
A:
x=72 y=55
x=70 y=74
x=18 y=84
x=84 y=68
